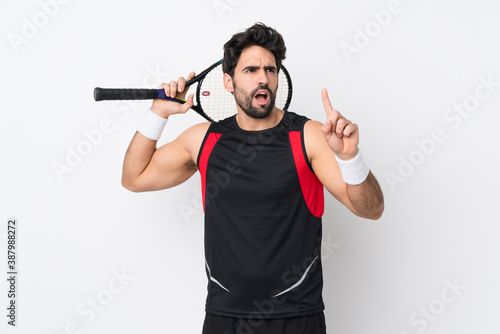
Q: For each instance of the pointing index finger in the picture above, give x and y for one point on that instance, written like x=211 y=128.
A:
x=326 y=102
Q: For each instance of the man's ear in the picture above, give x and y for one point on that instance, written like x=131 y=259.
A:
x=228 y=83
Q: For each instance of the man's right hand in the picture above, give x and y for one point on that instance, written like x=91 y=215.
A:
x=165 y=108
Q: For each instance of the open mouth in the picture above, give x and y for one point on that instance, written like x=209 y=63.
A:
x=262 y=97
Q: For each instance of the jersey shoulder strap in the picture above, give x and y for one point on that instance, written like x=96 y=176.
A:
x=312 y=189
x=213 y=135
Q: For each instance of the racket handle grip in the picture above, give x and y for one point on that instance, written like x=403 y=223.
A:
x=106 y=94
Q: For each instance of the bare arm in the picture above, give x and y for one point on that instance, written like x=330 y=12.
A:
x=367 y=198
x=146 y=168
x=340 y=137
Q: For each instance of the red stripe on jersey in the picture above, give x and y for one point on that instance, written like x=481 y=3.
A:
x=206 y=150
x=312 y=189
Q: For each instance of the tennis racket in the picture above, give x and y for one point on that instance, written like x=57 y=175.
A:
x=212 y=100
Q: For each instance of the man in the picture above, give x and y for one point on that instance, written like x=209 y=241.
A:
x=263 y=173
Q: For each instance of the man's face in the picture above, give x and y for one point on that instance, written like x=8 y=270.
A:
x=255 y=82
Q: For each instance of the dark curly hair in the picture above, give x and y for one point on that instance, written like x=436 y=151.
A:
x=260 y=35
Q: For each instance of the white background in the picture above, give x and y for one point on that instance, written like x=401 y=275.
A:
x=78 y=228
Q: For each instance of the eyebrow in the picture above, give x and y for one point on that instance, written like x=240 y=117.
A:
x=252 y=67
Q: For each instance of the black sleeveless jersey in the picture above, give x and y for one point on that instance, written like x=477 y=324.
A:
x=263 y=206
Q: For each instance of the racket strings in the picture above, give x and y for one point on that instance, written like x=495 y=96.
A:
x=218 y=103
x=215 y=100
x=283 y=93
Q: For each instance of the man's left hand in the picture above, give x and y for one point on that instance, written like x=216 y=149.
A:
x=341 y=134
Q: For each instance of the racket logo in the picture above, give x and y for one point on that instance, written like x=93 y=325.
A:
x=214 y=103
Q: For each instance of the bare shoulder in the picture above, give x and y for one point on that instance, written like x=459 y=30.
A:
x=198 y=130
x=314 y=140
x=192 y=138
x=323 y=161
x=312 y=129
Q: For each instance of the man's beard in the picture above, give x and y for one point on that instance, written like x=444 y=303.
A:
x=246 y=102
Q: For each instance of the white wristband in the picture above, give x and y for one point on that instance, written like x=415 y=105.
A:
x=152 y=125
x=354 y=171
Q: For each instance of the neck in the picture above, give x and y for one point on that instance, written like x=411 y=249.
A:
x=256 y=124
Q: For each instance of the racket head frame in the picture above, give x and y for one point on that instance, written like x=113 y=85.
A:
x=140 y=94
x=199 y=78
